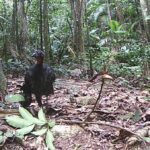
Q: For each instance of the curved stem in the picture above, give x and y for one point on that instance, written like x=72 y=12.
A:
x=99 y=96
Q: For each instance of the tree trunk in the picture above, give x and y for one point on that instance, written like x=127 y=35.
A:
x=12 y=43
x=3 y=82
x=23 y=28
x=14 y=30
x=77 y=8
x=41 y=25
x=145 y=7
x=4 y=28
x=119 y=12
x=48 y=53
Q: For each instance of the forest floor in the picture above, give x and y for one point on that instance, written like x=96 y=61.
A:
x=121 y=120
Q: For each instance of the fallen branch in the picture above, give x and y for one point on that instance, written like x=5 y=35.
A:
x=105 y=124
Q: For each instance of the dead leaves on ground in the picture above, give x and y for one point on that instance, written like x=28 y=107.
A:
x=121 y=105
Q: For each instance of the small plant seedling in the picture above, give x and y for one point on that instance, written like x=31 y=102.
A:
x=27 y=124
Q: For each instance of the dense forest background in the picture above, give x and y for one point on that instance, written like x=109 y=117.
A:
x=91 y=33
x=99 y=51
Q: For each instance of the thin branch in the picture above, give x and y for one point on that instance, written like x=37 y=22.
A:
x=99 y=96
x=102 y=123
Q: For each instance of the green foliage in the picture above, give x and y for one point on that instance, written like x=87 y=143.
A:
x=17 y=121
x=106 y=33
x=147 y=98
x=125 y=70
x=25 y=114
x=12 y=98
x=147 y=17
x=14 y=66
x=51 y=124
x=116 y=28
x=23 y=131
x=101 y=58
x=40 y=132
x=5 y=135
x=41 y=116
x=99 y=11
x=133 y=54
x=1 y=139
x=3 y=19
x=49 y=140
x=137 y=116
x=27 y=124
x=129 y=8
x=128 y=61
x=114 y=25
x=147 y=139
x=129 y=57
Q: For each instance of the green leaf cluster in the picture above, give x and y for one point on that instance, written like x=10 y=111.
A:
x=27 y=124
x=12 y=98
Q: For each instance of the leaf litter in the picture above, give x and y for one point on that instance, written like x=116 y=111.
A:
x=121 y=119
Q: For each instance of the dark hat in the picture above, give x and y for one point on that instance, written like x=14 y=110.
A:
x=38 y=54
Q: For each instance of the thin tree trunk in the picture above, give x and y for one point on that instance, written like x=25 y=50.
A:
x=12 y=44
x=3 y=28
x=108 y=10
x=23 y=28
x=119 y=12
x=48 y=52
x=88 y=44
x=145 y=7
x=77 y=7
x=41 y=24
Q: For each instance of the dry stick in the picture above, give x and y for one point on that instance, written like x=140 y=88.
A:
x=99 y=95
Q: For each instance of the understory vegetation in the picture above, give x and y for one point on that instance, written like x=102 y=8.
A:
x=114 y=35
x=75 y=74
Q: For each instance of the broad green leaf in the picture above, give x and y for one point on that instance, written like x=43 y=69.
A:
x=137 y=116
x=38 y=122
x=51 y=124
x=14 y=98
x=1 y=139
x=24 y=130
x=50 y=145
x=20 y=136
x=41 y=115
x=147 y=139
x=147 y=98
x=93 y=31
x=120 y=32
x=9 y=134
x=26 y=114
x=1 y=132
x=40 y=132
x=114 y=25
x=49 y=140
x=147 y=18
x=17 y=121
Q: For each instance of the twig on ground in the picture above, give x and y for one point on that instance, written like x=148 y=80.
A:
x=102 y=123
